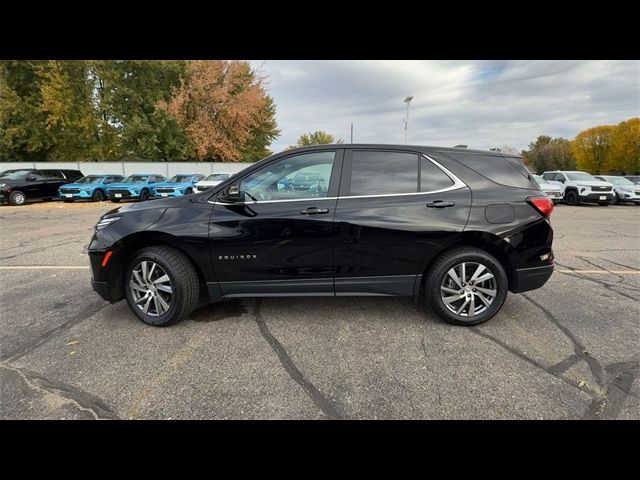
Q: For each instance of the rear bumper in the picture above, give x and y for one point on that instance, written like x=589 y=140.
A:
x=102 y=289
x=531 y=278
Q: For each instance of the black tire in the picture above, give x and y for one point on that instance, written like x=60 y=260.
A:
x=98 y=195
x=144 y=195
x=17 y=198
x=571 y=197
x=637 y=204
x=188 y=191
x=184 y=283
x=115 y=200
x=615 y=200
x=447 y=261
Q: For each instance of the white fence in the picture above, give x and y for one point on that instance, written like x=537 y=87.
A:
x=168 y=169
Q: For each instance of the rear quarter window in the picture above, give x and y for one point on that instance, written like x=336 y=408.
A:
x=508 y=171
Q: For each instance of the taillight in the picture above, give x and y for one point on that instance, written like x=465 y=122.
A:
x=544 y=205
x=105 y=259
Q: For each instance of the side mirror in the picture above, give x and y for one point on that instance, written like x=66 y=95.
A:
x=232 y=193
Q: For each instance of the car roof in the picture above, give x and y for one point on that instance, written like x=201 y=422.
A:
x=397 y=147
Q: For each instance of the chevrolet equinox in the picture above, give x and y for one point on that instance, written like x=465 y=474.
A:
x=461 y=227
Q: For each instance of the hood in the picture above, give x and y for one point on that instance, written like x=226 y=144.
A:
x=125 y=185
x=171 y=184
x=209 y=183
x=160 y=204
x=593 y=183
x=78 y=185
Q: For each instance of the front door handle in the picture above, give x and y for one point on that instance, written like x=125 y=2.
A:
x=314 y=211
x=440 y=204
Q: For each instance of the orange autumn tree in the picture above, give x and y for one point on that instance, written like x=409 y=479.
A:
x=221 y=106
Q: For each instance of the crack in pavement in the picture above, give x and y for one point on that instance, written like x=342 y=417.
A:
x=38 y=250
x=310 y=389
x=594 y=264
x=606 y=285
x=83 y=314
x=619 y=264
x=614 y=387
x=58 y=393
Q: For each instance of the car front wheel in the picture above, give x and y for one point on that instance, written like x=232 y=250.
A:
x=466 y=286
x=144 y=195
x=17 y=198
x=571 y=198
x=161 y=286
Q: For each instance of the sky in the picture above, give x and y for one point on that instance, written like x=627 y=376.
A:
x=482 y=104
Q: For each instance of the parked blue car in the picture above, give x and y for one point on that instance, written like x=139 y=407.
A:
x=134 y=187
x=91 y=187
x=177 y=185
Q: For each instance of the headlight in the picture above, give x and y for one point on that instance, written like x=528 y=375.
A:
x=105 y=222
x=2 y=185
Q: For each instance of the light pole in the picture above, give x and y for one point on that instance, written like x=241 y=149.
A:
x=407 y=100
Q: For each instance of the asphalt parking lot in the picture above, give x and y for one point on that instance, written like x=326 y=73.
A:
x=567 y=351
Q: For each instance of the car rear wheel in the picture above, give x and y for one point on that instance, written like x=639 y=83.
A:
x=571 y=197
x=161 y=286
x=466 y=286
x=17 y=198
x=144 y=195
x=97 y=196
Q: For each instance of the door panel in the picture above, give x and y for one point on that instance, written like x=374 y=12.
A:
x=385 y=239
x=275 y=246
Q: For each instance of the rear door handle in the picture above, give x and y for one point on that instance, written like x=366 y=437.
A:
x=440 y=204
x=314 y=211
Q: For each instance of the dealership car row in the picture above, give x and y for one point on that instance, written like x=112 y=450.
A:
x=18 y=186
x=21 y=185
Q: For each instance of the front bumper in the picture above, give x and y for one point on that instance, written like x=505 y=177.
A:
x=79 y=195
x=628 y=196
x=175 y=193
x=597 y=197
x=531 y=278
x=123 y=195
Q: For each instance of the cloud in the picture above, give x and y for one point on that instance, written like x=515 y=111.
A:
x=482 y=104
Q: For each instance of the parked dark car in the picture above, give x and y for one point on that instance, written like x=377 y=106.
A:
x=461 y=227
x=21 y=185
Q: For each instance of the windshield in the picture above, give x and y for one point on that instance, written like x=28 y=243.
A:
x=90 y=179
x=180 y=179
x=539 y=179
x=217 y=177
x=618 y=180
x=580 y=176
x=136 y=179
x=15 y=174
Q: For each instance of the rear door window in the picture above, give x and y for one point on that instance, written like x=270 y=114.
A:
x=383 y=172
x=431 y=177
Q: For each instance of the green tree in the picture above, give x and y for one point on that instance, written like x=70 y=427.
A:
x=548 y=153
x=67 y=101
x=23 y=136
x=591 y=148
x=315 y=138
x=624 y=155
x=262 y=135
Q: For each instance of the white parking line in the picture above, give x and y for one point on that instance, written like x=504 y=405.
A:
x=44 y=267
x=617 y=272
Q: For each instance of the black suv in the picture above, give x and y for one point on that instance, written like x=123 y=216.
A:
x=19 y=185
x=461 y=227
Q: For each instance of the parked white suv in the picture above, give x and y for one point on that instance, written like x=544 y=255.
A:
x=580 y=187
x=210 y=181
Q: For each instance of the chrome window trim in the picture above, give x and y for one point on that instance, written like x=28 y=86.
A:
x=457 y=184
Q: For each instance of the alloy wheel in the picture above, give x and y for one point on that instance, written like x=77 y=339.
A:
x=468 y=289
x=151 y=288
